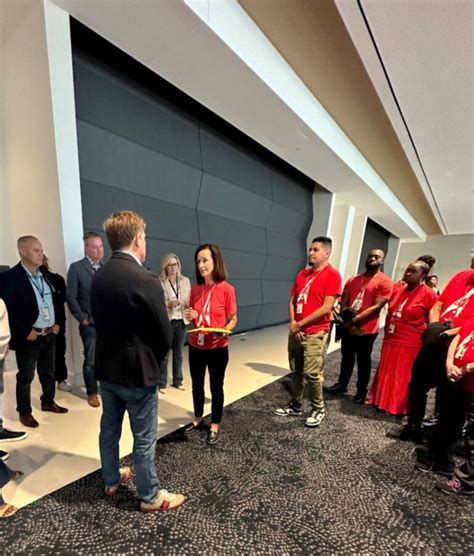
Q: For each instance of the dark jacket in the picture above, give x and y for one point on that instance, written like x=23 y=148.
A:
x=17 y=292
x=132 y=326
x=59 y=293
x=78 y=294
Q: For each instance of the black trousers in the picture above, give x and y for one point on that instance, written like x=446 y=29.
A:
x=39 y=355
x=428 y=372
x=359 y=347
x=216 y=361
x=60 y=369
x=465 y=473
x=454 y=405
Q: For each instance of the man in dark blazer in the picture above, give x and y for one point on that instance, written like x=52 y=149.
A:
x=133 y=337
x=33 y=314
x=78 y=291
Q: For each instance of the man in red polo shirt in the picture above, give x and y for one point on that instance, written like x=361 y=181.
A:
x=312 y=298
x=365 y=294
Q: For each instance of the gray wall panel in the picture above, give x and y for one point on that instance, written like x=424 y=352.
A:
x=273 y=313
x=134 y=114
x=244 y=266
x=276 y=290
x=112 y=160
x=292 y=194
x=225 y=199
x=164 y=220
x=285 y=245
x=222 y=158
x=192 y=183
x=232 y=234
x=249 y=292
x=247 y=318
x=279 y=268
x=287 y=221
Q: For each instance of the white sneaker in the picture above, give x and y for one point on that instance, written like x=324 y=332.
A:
x=64 y=386
x=314 y=420
x=165 y=501
x=287 y=410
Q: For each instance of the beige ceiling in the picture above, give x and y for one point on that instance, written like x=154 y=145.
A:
x=313 y=39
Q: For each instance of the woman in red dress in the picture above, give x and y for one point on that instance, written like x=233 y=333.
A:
x=407 y=319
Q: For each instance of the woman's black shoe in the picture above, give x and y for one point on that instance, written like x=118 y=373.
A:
x=192 y=427
x=212 y=437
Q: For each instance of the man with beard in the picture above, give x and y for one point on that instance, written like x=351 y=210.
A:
x=312 y=299
x=365 y=295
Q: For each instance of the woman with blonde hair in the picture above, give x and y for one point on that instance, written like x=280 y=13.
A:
x=177 y=289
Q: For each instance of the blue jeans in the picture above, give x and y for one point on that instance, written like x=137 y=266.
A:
x=30 y=355
x=87 y=333
x=142 y=407
x=177 y=343
x=5 y=475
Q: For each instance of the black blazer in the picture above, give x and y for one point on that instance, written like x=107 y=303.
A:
x=59 y=285
x=19 y=296
x=133 y=330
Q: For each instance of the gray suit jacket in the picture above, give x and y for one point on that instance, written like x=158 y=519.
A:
x=78 y=291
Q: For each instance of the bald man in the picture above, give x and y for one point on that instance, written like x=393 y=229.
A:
x=29 y=298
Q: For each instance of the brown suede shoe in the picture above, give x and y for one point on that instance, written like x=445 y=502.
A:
x=93 y=400
x=54 y=408
x=29 y=421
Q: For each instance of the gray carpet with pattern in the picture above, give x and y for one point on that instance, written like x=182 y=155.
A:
x=270 y=486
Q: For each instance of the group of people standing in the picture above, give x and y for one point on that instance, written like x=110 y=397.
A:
x=130 y=318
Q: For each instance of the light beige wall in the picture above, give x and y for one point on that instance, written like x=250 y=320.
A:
x=452 y=254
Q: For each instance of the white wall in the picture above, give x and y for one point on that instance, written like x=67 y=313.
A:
x=452 y=254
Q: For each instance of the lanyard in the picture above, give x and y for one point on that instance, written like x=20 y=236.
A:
x=36 y=284
x=357 y=303
x=462 y=347
x=457 y=306
x=205 y=316
x=175 y=290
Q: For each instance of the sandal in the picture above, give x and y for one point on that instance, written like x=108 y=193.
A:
x=7 y=510
x=125 y=473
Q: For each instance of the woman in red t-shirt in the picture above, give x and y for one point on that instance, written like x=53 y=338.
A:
x=211 y=305
x=407 y=318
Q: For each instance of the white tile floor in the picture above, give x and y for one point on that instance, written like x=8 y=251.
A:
x=65 y=447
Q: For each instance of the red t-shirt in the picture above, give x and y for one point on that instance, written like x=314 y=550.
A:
x=464 y=353
x=308 y=292
x=408 y=312
x=220 y=300
x=362 y=292
x=458 y=298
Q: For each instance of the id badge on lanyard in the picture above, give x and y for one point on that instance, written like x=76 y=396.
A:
x=303 y=297
x=204 y=318
x=391 y=328
x=45 y=314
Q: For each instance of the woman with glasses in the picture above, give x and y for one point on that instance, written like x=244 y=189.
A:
x=177 y=289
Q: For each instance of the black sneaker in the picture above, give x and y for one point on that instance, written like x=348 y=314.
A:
x=429 y=423
x=335 y=389
x=360 y=399
x=12 y=436
x=287 y=411
x=4 y=455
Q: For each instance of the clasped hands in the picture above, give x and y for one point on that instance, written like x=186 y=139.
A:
x=295 y=329
x=455 y=373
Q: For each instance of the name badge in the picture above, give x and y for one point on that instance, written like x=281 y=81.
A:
x=200 y=339
x=45 y=312
x=391 y=328
x=299 y=308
